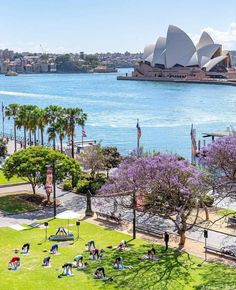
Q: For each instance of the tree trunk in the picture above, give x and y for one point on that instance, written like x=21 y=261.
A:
x=30 y=137
x=33 y=187
x=72 y=146
x=182 y=239
x=15 y=135
x=41 y=136
x=54 y=144
x=107 y=173
x=25 y=138
x=35 y=137
x=206 y=213
x=61 y=145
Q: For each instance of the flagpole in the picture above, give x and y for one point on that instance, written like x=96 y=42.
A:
x=3 y=120
x=138 y=138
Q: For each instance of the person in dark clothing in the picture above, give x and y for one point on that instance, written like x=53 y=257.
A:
x=100 y=273
x=25 y=248
x=46 y=261
x=166 y=239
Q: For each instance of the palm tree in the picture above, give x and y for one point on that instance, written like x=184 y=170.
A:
x=42 y=122
x=61 y=126
x=75 y=116
x=53 y=113
x=11 y=111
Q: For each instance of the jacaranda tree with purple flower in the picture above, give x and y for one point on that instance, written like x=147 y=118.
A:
x=219 y=158
x=170 y=187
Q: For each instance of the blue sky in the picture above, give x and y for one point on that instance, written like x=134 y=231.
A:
x=109 y=25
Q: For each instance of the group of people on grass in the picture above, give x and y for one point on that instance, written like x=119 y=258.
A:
x=94 y=254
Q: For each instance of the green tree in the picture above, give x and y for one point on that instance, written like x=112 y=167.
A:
x=53 y=113
x=3 y=148
x=11 y=112
x=111 y=158
x=30 y=164
x=92 y=159
x=75 y=116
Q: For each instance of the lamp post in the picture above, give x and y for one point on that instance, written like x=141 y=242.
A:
x=46 y=230
x=205 y=236
x=78 y=224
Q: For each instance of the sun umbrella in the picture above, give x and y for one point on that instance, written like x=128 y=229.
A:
x=69 y=215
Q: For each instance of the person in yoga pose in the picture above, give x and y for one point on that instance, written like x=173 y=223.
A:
x=46 y=261
x=122 y=245
x=25 y=248
x=100 y=273
x=89 y=245
x=151 y=253
x=79 y=260
x=14 y=263
x=61 y=231
x=94 y=253
x=54 y=249
x=118 y=263
x=67 y=269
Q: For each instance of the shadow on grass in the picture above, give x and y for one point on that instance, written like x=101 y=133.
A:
x=170 y=272
x=217 y=276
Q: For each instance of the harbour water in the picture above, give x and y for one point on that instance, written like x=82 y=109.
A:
x=165 y=110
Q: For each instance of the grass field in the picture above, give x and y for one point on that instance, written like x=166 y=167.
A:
x=14 y=204
x=173 y=271
x=228 y=212
x=4 y=180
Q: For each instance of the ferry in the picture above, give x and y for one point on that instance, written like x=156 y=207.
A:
x=11 y=73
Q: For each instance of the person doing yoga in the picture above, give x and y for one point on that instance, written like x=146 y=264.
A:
x=25 y=248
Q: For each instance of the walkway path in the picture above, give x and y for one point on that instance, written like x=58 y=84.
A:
x=78 y=203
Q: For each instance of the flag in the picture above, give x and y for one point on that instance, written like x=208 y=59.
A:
x=3 y=112
x=139 y=133
x=83 y=132
x=194 y=143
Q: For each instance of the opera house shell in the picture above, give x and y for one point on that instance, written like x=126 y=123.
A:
x=177 y=56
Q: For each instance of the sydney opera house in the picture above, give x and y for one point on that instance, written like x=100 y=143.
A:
x=175 y=57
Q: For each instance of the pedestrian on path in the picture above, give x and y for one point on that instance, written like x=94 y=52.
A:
x=166 y=239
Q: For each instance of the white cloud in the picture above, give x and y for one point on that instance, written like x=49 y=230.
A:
x=226 y=38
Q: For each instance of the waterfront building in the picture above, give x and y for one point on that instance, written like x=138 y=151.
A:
x=176 y=57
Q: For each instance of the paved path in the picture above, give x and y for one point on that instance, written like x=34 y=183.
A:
x=78 y=203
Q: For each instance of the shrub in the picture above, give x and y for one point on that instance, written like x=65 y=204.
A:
x=67 y=185
x=83 y=186
x=208 y=200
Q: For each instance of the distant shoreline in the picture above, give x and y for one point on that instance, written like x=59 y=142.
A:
x=218 y=82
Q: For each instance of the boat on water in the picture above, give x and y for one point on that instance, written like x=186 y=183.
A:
x=104 y=69
x=11 y=73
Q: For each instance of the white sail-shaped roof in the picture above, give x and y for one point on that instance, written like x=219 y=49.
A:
x=179 y=47
x=148 y=50
x=206 y=52
x=204 y=40
x=159 y=51
x=149 y=58
x=213 y=62
x=193 y=60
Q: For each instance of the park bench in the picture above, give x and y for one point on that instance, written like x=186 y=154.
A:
x=231 y=221
x=150 y=230
x=218 y=251
x=109 y=217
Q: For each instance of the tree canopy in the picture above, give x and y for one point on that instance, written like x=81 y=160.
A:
x=31 y=165
x=163 y=185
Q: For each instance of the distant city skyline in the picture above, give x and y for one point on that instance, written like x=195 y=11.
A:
x=110 y=26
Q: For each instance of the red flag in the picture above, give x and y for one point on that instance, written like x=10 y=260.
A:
x=139 y=133
x=83 y=132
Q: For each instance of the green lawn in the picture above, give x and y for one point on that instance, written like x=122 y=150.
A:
x=228 y=212
x=14 y=204
x=172 y=271
x=4 y=180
